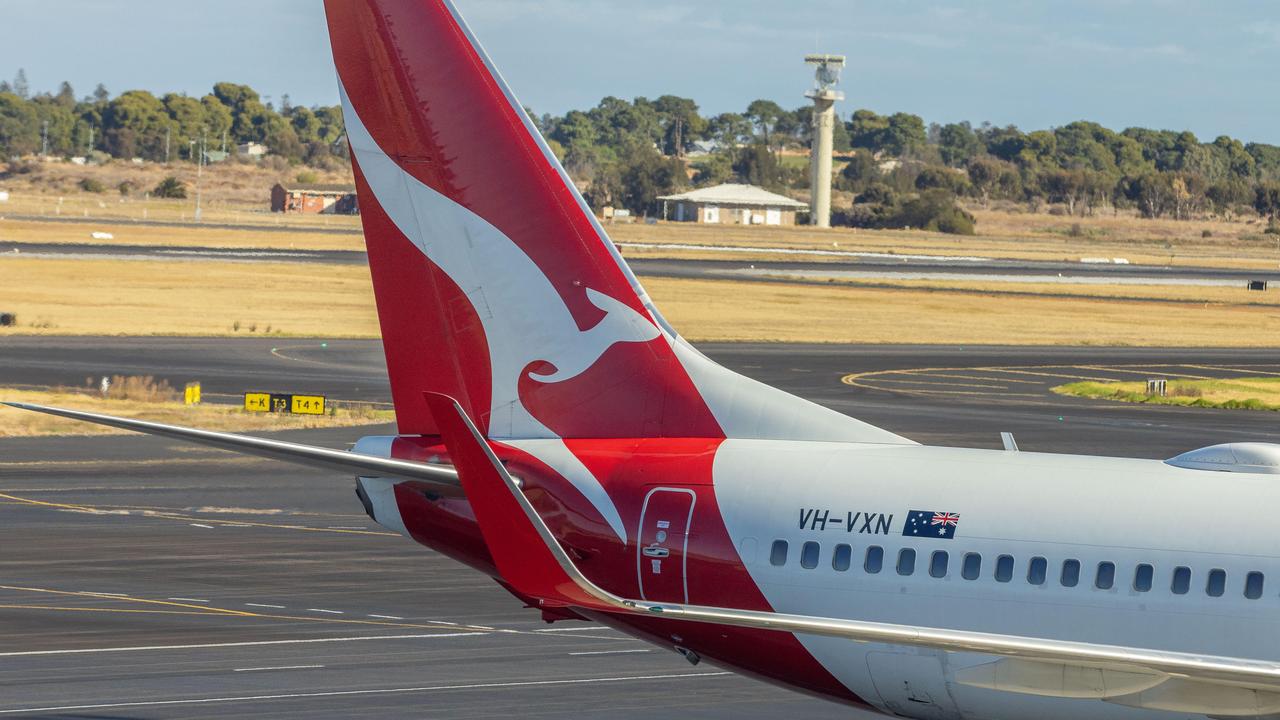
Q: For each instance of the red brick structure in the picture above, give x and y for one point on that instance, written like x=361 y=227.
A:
x=315 y=199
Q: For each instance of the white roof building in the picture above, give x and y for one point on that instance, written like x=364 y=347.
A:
x=731 y=203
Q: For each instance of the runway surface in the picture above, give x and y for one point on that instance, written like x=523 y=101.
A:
x=144 y=578
x=867 y=266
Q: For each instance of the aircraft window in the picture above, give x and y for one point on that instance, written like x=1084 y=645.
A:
x=1181 y=580
x=1004 y=568
x=1106 y=577
x=1253 y=585
x=875 y=559
x=809 y=555
x=972 y=566
x=1142 y=578
x=840 y=558
x=778 y=553
x=1036 y=570
x=906 y=561
x=1070 y=573
x=1217 y=583
x=938 y=564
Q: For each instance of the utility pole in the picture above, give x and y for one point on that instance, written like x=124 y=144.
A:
x=91 y=129
x=44 y=139
x=199 y=169
x=167 y=132
x=824 y=96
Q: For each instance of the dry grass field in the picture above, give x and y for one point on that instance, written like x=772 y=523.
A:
x=106 y=296
x=1001 y=234
x=1195 y=294
x=20 y=423
x=722 y=310
x=142 y=297
x=232 y=192
x=239 y=193
x=1046 y=237
x=119 y=297
x=126 y=233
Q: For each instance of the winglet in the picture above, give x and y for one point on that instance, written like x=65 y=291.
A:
x=528 y=556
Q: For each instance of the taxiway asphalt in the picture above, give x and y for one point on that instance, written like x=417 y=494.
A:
x=144 y=578
x=855 y=266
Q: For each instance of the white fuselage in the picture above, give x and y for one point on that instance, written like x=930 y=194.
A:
x=1092 y=510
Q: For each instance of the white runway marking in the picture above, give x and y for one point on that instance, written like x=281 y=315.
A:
x=91 y=592
x=356 y=693
x=194 y=600
x=207 y=527
x=278 y=667
x=386 y=617
x=346 y=527
x=276 y=607
x=252 y=643
x=611 y=652
x=322 y=610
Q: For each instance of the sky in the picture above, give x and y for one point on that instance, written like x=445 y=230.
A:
x=1205 y=66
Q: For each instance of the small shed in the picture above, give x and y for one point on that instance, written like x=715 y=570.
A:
x=731 y=204
x=315 y=199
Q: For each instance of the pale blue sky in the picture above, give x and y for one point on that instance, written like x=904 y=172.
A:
x=1207 y=66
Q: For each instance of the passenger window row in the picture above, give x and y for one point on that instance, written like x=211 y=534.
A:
x=1069 y=575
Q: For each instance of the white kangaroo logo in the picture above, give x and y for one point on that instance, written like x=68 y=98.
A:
x=620 y=324
x=525 y=319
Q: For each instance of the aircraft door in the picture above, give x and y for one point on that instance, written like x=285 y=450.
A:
x=663 y=543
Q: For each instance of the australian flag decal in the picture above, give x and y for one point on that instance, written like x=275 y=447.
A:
x=927 y=523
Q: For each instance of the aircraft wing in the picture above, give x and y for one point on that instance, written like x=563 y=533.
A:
x=297 y=453
x=532 y=560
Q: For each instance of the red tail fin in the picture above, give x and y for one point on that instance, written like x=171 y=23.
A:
x=495 y=285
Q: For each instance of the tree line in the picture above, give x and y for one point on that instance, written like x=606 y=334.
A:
x=627 y=153
x=172 y=127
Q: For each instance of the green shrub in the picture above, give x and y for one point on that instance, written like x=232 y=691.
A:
x=170 y=188
x=92 y=185
x=877 y=194
x=934 y=210
x=307 y=177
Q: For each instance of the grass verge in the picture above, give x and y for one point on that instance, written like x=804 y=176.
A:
x=1233 y=394
x=24 y=423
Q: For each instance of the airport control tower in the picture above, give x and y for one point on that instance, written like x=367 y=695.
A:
x=824 y=95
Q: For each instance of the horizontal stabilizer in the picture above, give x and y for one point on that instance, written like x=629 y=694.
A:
x=297 y=453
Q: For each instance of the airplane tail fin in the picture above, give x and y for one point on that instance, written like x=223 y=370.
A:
x=495 y=284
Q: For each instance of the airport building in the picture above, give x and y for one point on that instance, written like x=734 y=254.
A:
x=315 y=199
x=731 y=204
